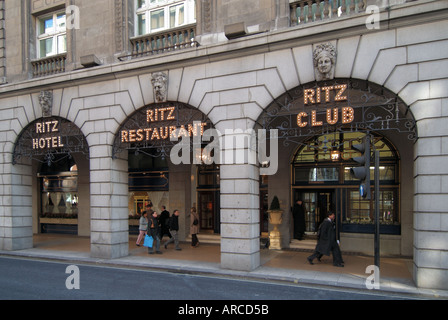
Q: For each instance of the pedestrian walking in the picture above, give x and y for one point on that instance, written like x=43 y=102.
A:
x=154 y=232
x=142 y=228
x=174 y=229
x=194 y=227
x=327 y=243
x=164 y=219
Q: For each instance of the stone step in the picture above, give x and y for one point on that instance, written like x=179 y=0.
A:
x=207 y=238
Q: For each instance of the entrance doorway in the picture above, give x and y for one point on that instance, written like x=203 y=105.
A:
x=317 y=204
x=208 y=211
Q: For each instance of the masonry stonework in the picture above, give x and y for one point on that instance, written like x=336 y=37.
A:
x=232 y=83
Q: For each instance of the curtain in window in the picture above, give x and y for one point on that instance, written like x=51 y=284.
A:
x=157 y=19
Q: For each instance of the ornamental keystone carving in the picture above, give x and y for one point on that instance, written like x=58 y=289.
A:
x=46 y=103
x=159 y=82
x=324 y=57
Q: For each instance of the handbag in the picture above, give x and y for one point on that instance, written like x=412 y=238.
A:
x=195 y=222
x=148 y=241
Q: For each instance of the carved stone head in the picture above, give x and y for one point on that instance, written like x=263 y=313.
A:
x=324 y=57
x=159 y=82
x=46 y=103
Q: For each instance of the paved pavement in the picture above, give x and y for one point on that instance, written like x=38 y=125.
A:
x=278 y=265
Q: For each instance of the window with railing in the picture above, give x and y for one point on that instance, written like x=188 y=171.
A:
x=158 y=15
x=163 y=26
x=306 y=11
x=51 y=44
x=51 y=35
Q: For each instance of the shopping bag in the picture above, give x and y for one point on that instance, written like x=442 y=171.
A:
x=148 y=241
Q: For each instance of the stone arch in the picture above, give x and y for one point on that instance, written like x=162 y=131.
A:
x=374 y=107
x=42 y=140
x=146 y=135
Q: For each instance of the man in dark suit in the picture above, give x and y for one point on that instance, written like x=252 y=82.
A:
x=298 y=213
x=327 y=243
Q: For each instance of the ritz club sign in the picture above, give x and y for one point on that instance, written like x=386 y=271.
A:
x=320 y=95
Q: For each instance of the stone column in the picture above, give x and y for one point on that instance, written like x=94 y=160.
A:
x=240 y=216
x=16 y=221
x=431 y=194
x=109 y=236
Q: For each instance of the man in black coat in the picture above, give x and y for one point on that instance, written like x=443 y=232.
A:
x=327 y=243
x=154 y=232
x=298 y=214
x=163 y=220
x=174 y=229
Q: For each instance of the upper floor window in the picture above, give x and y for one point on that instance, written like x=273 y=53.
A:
x=158 y=15
x=51 y=34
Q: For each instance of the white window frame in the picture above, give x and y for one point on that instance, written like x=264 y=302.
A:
x=53 y=33
x=147 y=8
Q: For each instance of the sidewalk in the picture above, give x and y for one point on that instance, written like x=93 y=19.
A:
x=278 y=265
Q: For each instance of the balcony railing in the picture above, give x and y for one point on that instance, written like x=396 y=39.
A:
x=161 y=42
x=49 y=65
x=305 y=11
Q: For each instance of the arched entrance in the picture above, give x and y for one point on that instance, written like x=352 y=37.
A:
x=317 y=124
x=54 y=152
x=322 y=181
x=166 y=164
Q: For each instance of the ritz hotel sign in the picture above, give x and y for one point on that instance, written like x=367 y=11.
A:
x=47 y=127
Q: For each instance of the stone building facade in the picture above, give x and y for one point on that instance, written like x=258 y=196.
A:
x=83 y=80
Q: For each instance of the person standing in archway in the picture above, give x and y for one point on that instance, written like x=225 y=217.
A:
x=298 y=214
x=194 y=227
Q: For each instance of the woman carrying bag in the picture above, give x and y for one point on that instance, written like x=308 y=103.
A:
x=194 y=227
x=143 y=226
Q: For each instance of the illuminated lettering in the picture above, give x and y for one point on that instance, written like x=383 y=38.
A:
x=170 y=114
x=314 y=96
x=160 y=114
x=339 y=96
x=327 y=92
x=164 y=133
x=149 y=115
x=124 y=136
x=308 y=95
x=348 y=115
x=140 y=135
x=314 y=122
x=47 y=143
x=47 y=127
x=299 y=119
x=155 y=134
x=132 y=135
x=332 y=119
x=323 y=94
x=147 y=131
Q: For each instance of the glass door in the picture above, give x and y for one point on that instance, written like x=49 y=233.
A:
x=317 y=204
x=208 y=210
